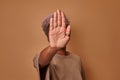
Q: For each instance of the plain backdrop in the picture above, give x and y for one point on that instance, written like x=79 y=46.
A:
x=95 y=36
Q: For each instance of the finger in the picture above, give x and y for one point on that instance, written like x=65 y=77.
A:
x=68 y=31
x=51 y=24
x=59 y=17
x=55 y=20
x=63 y=19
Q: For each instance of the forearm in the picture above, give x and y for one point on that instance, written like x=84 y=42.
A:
x=46 y=55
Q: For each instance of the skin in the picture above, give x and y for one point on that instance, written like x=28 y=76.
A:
x=58 y=39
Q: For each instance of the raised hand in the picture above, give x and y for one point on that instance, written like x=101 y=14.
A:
x=58 y=32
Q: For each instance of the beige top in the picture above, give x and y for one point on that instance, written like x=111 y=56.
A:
x=61 y=68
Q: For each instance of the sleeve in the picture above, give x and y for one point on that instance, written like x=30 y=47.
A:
x=36 y=64
x=83 y=72
x=43 y=73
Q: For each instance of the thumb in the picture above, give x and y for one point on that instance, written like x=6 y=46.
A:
x=68 y=30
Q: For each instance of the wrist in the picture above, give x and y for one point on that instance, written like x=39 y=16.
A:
x=53 y=48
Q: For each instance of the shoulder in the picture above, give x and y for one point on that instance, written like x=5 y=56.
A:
x=75 y=56
x=76 y=59
x=35 y=60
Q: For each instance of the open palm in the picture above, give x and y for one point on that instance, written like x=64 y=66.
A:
x=58 y=32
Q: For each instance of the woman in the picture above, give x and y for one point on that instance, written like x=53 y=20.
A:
x=54 y=62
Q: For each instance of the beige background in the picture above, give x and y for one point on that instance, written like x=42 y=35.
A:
x=95 y=36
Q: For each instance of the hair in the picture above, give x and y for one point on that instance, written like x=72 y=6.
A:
x=46 y=24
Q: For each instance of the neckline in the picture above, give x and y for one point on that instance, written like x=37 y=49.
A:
x=63 y=56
